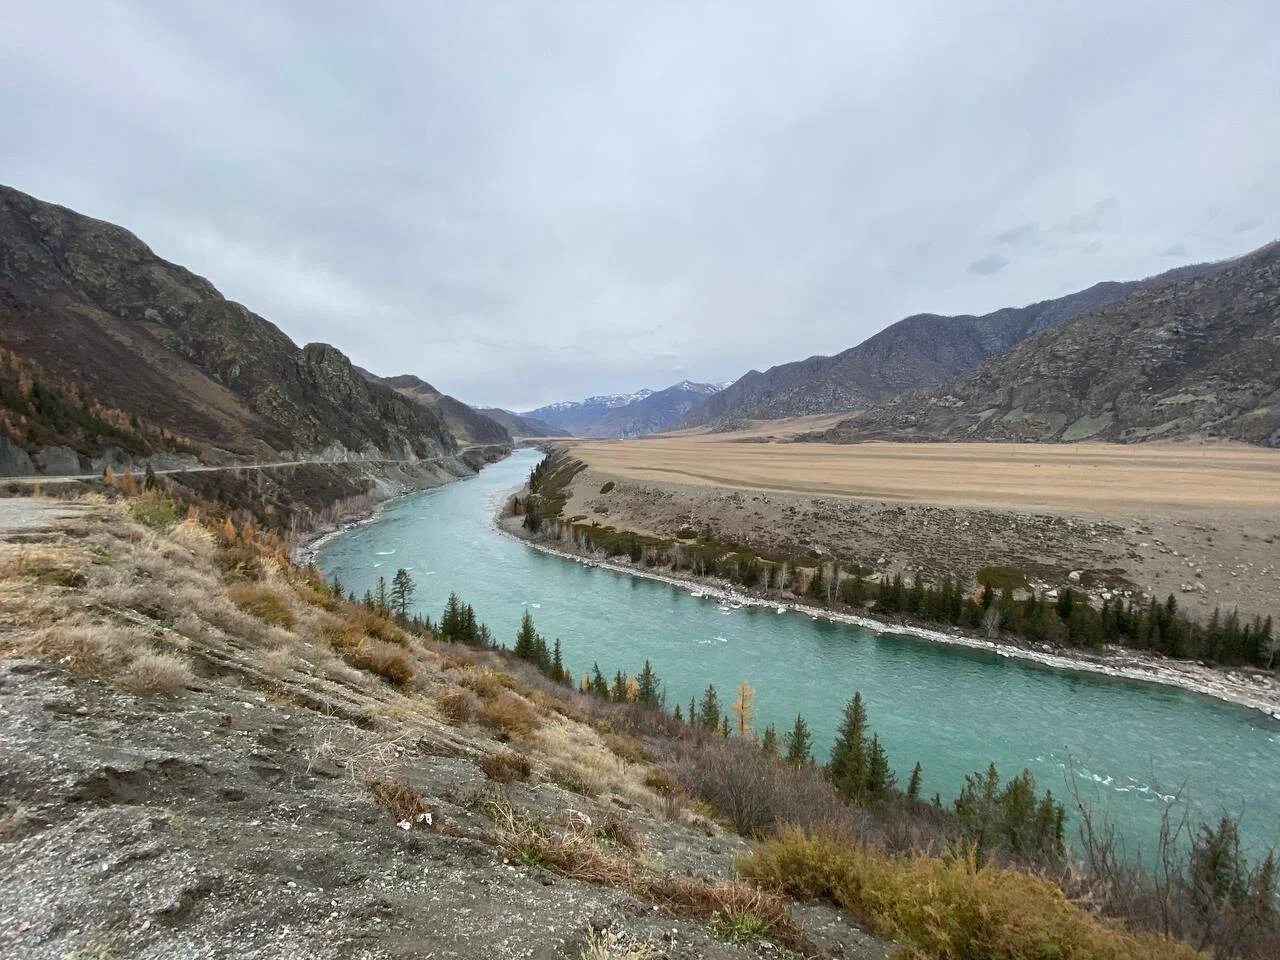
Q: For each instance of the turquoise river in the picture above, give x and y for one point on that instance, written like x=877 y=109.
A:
x=1131 y=745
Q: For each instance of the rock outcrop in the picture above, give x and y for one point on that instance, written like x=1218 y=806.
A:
x=1198 y=356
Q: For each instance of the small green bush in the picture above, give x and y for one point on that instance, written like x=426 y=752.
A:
x=158 y=513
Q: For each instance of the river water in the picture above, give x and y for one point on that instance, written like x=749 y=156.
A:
x=1132 y=746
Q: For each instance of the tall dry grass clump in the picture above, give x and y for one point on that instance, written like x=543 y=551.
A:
x=263 y=602
x=948 y=907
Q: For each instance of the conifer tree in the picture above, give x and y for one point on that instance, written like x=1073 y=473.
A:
x=149 y=480
x=724 y=726
x=451 y=620
x=619 y=692
x=336 y=587
x=599 y=685
x=709 y=709
x=769 y=742
x=557 y=665
x=848 y=767
x=380 y=597
x=913 y=785
x=647 y=686
x=677 y=716
x=880 y=777
x=526 y=638
x=402 y=591
x=799 y=743
x=693 y=712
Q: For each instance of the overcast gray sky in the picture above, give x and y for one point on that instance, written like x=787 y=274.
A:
x=535 y=201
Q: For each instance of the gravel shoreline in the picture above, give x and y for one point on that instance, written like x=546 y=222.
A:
x=1233 y=687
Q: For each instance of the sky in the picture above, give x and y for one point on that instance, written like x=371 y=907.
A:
x=528 y=202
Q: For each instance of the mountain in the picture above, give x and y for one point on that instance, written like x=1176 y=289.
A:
x=468 y=425
x=625 y=414
x=519 y=426
x=917 y=352
x=1194 y=356
x=109 y=346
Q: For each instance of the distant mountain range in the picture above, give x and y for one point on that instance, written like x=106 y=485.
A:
x=467 y=425
x=519 y=426
x=1189 y=355
x=109 y=353
x=917 y=352
x=626 y=414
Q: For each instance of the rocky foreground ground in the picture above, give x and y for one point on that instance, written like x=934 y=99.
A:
x=187 y=775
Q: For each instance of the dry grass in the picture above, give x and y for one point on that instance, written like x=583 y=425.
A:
x=628 y=748
x=508 y=715
x=485 y=682
x=607 y=945
x=263 y=602
x=506 y=766
x=81 y=645
x=456 y=705
x=149 y=674
x=1092 y=476
x=396 y=796
x=386 y=660
x=948 y=906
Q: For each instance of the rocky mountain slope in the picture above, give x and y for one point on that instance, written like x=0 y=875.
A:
x=126 y=335
x=1196 y=356
x=468 y=425
x=915 y=353
x=519 y=426
x=626 y=415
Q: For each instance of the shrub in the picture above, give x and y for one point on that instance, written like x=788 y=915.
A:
x=455 y=705
x=508 y=715
x=384 y=659
x=264 y=603
x=947 y=906
x=154 y=673
x=506 y=767
x=158 y=513
x=485 y=682
x=1002 y=577
x=661 y=782
x=576 y=778
x=608 y=485
x=628 y=748
x=615 y=830
x=396 y=796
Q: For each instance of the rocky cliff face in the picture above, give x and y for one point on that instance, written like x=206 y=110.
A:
x=1198 y=356
x=468 y=425
x=92 y=306
x=519 y=426
x=915 y=353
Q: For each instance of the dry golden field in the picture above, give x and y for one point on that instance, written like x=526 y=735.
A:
x=1098 y=477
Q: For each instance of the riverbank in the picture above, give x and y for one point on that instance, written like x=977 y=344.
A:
x=352 y=512
x=1252 y=689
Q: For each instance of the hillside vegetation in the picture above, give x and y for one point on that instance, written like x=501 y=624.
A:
x=293 y=772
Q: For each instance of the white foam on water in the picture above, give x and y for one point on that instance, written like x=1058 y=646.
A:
x=384 y=553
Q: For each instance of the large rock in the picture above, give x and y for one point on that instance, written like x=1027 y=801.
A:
x=14 y=461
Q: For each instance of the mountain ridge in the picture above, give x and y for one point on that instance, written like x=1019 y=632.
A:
x=1198 y=356
x=627 y=414
x=114 y=328
x=916 y=352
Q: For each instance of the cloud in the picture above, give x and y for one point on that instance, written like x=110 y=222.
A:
x=1177 y=250
x=1025 y=235
x=991 y=263
x=1087 y=221
x=1093 y=246
x=522 y=203
x=1244 y=226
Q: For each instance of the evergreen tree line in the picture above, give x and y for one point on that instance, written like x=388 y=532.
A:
x=1068 y=619
x=386 y=600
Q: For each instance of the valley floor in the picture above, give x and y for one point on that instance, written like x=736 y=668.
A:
x=1201 y=522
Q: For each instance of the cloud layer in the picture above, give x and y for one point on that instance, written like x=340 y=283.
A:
x=528 y=202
